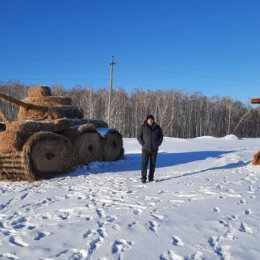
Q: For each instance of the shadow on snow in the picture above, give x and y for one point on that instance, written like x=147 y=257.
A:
x=132 y=162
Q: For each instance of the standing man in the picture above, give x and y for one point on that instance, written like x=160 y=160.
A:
x=150 y=136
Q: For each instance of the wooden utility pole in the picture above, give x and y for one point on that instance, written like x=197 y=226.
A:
x=110 y=90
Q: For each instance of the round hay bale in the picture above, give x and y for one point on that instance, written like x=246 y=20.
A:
x=88 y=148
x=47 y=154
x=256 y=158
x=113 y=146
x=36 y=91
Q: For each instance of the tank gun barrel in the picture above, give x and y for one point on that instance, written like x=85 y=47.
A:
x=14 y=101
x=21 y=103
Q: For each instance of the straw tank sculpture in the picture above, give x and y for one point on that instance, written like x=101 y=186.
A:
x=50 y=136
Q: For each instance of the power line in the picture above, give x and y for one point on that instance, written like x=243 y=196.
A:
x=196 y=75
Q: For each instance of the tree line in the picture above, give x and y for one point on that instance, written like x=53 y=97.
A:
x=180 y=114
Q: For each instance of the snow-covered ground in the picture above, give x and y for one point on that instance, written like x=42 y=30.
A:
x=205 y=204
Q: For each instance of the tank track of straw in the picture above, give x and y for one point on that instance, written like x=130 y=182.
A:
x=51 y=137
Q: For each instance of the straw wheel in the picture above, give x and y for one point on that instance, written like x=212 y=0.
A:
x=113 y=148
x=48 y=153
x=89 y=148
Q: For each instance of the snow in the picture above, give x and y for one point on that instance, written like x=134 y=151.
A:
x=103 y=131
x=204 y=204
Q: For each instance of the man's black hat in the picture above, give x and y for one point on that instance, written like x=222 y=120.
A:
x=150 y=116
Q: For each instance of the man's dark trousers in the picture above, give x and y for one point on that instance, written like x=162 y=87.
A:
x=146 y=156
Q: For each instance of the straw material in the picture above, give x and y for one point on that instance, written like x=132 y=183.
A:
x=49 y=101
x=88 y=148
x=36 y=126
x=36 y=91
x=255 y=100
x=86 y=128
x=4 y=117
x=256 y=158
x=18 y=133
x=50 y=137
x=113 y=146
x=49 y=113
x=48 y=154
x=13 y=167
x=12 y=140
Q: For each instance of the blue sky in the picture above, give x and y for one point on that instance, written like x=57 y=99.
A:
x=209 y=46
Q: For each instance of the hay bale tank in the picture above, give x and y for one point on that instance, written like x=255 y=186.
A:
x=51 y=136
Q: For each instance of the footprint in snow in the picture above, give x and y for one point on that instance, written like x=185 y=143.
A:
x=242 y=201
x=88 y=233
x=245 y=228
x=177 y=241
x=251 y=189
x=121 y=245
x=216 y=209
x=111 y=218
x=17 y=241
x=9 y=256
x=101 y=213
x=158 y=217
x=1 y=225
x=2 y=206
x=131 y=225
x=153 y=226
x=94 y=244
x=170 y=255
x=233 y=217
x=38 y=235
x=102 y=232
x=116 y=227
x=248 y=212
x=221 y=250
x=64 y=215
x=137 y=211
x=24 y=196
x=19 y=223
x=73 y=254
x=223 y=222
x=197 y=256
x=99 y=234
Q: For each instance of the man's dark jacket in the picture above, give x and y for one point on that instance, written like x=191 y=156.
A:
x=150 y=137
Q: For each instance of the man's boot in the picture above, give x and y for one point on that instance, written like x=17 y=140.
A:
x=143 y=178
x=151 y=174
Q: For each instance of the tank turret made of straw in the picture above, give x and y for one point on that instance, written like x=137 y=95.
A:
x=41 y=105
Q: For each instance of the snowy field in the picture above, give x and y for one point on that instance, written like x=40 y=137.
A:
x=204 y=204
